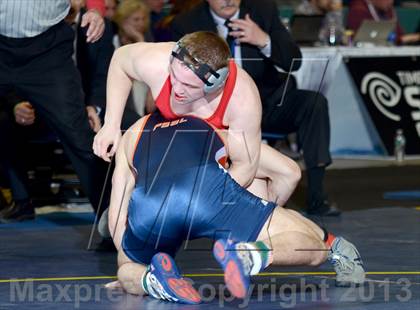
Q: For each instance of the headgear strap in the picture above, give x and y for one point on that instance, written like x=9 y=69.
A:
x=200 y=69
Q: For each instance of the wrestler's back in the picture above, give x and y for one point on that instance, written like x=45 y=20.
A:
x=173 y=160
x=182 y=192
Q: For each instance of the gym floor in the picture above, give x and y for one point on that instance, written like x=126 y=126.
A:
x=46 y=263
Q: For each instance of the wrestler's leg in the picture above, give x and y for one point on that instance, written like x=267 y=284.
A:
x=277 y=176
x=287 y=239
x=130 y=274
x=293 y=239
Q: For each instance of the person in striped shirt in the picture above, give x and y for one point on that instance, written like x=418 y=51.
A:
x=36 y=48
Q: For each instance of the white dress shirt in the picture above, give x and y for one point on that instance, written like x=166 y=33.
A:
x=223 y=32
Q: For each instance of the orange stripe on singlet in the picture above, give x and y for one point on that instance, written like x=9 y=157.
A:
x=146 y=118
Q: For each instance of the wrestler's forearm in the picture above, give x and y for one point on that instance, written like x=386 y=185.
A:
x=117 y=217
x=116 y=220
x=117 y=235
x=122 y=186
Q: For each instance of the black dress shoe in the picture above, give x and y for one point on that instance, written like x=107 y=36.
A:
x=18 y=211
x=3 y=202
x=323 y=208
x=7 y=209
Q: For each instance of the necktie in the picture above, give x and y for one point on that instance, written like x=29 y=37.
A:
x=230 y=39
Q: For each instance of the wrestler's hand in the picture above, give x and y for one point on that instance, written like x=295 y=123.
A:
x=106 y=137
x=96 y=25
x=24 y=113
x=247 y=31
x=94 y=120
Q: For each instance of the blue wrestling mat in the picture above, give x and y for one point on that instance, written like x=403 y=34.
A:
x=44 y=264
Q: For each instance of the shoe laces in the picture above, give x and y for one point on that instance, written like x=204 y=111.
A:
x=244 y=254
x=341 y=263
x=156 y=289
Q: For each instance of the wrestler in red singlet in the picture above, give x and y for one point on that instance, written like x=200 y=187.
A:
x=164 y=105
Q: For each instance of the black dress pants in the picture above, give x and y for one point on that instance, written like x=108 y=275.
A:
x=41 y=70
x=304 y=112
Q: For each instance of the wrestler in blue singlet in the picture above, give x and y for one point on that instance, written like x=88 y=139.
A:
x=182 y=192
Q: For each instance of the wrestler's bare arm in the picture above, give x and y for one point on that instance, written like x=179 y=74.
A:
x=141 y=62
x=123 y=181
x=244 y=134
x=145 y=62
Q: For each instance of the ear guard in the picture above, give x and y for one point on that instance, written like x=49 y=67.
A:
x=213 y=80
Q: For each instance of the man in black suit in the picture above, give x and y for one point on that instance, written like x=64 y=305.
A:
x=260 y=43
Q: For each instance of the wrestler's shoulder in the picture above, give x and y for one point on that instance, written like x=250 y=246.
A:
x=150 y=50
x=243 y=79
x=245 y=96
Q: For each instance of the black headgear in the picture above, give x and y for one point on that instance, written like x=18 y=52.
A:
x=212 y=82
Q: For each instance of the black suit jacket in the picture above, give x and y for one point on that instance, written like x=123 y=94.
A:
x=93 y=60
x=269 y=81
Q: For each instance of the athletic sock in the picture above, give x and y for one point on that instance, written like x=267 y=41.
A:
x=328 y=238
x=259 y=253
x=148 y=286
x=143 y=281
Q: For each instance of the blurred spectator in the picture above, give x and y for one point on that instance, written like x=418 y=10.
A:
x=333 y=21
x=36 y=62
x=162 y=31
x=318 y=7
x=132 y=18
x=14 y=160
x=6 y=158
x=156 y=14
x=133 y=21
x=377 y=10
x=288 y=3
x=110 y=8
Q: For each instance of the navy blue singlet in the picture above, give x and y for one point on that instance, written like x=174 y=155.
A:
x=182 y=192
